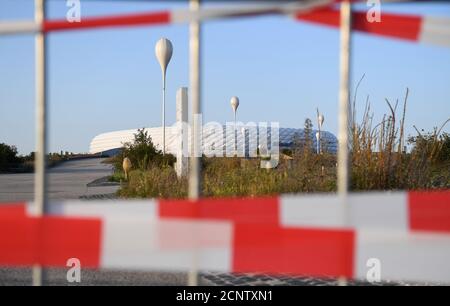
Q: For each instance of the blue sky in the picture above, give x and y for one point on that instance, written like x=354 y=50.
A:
x=281 y=70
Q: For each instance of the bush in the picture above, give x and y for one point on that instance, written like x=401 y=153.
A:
x=435 y=147
x=143 y=154
x=8 y=157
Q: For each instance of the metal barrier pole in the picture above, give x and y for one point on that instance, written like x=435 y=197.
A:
x=40 y=181
x=344 y=102
x=344 y=99
x=195 y=88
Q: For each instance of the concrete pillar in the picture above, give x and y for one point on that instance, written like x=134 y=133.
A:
x=182 y=143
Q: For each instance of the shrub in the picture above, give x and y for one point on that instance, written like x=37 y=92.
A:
x=142 y=153
x=8 y=157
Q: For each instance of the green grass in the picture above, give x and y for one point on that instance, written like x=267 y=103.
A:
x=230 y=177
x=118 y=176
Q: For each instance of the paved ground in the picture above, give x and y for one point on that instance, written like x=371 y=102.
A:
x=68 y=180
x=57 y=277
x=249 y=279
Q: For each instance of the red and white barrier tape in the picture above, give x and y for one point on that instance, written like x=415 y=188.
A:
x=430 y=30
x=161 y=17
x=305 y=235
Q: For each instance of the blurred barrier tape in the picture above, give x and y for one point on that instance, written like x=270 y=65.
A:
x=431 y=30
x=161 y=17
x=409 y=232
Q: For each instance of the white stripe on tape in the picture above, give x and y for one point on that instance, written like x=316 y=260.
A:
x=18 y=27
x=436 y=31
x=166 y=245
x=311 y=211
x=101 y=209
x=387 y=210
x=185 y=16
x=383 y=210
x=403 y=256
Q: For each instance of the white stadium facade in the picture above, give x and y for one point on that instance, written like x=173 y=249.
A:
x=108 y=144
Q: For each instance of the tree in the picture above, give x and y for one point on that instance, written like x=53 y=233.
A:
x=143 y=153
x=8 y=157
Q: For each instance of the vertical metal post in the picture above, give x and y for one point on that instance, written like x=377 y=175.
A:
x=40 y=181
x=195 y=67
x=318 y=142
x=344 y=99
x=235 y=135
x=344 y=102
x=164 y=114
x=182 y=143
x=195 y=87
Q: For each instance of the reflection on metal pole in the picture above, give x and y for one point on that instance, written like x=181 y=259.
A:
x=40 y=181
x=344 y=100
x=195 y=88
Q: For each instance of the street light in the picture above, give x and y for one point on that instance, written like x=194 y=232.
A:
x=234 y=105
x=320 y=120
x=163 y=51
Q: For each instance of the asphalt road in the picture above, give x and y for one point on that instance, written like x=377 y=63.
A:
x=66 y=181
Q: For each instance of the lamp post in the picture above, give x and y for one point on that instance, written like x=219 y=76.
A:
x=163 y=51
x=234 y=105
x=318 y=141
x=320 y=120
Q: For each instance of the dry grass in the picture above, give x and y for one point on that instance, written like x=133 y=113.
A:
x=378 y=152
x=226 y=177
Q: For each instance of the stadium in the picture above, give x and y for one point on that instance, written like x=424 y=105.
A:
x=109 y=144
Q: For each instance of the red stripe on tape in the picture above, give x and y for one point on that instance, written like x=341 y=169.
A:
x=429 y=211
x=392 y=25
x=272 y=249
x=248 y=210
x=70 y=238
x=13 y=210
x=108 y=21
x=18 y=241
x=322 y=16
x=50 y=241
